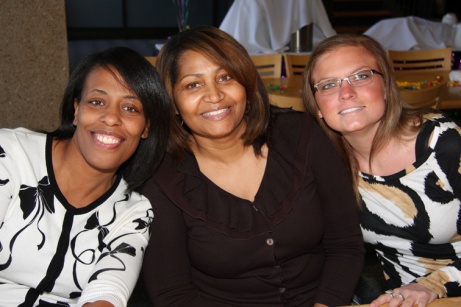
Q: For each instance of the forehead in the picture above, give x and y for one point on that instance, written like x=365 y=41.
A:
x=101 y=74
x=342 y=61
x=191 y=59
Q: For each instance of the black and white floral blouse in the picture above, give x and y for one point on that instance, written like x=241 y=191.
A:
x=52 y=253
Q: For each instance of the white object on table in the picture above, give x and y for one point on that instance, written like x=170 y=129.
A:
x=265 y=26
x=455 y=75
x=457 y=39
x=412 y=33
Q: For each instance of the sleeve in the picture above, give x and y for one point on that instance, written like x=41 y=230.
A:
x=447 y=280
x=448 y=153
x=166 y=267
x=342 y=241
x=7 y=181
x=116 y=272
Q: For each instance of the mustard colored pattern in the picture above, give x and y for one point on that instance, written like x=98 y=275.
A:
x=412 y=218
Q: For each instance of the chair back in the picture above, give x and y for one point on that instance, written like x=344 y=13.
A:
x=295 y=64
x=268 y=65
x=421 y=60
x=429 y=97
x=152 y=59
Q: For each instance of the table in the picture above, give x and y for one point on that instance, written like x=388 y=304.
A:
x=292 y=95
x=408 y=33
x=265 y=26
x=451 y=97
x=443 y=302
x=285 y=92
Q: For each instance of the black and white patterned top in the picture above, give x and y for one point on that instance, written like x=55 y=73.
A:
x=412 y=218
x=52 y=253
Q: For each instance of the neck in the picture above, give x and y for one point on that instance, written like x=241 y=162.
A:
x=79 y=183
x=220 y=151
x=225 y=149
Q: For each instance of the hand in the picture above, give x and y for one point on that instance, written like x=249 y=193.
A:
x=406 y=296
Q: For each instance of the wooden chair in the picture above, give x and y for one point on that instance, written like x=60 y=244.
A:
x=268 y=65
x=152 y=59
x=421 y=60
x=429 y=97
x=295 y=64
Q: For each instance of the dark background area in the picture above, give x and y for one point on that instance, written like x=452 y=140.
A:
x=141 y=24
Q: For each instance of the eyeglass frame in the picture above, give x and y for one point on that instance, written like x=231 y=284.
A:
x=373 y=72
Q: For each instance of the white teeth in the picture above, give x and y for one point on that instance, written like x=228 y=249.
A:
x=350 y=110
x=215 y=112
x=108 y=140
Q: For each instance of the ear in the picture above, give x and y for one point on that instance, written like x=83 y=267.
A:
x=320 y=114
x=75 y=112
x=145 y=133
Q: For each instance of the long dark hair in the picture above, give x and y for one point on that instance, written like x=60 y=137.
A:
x=141 y=78
x=224 y=50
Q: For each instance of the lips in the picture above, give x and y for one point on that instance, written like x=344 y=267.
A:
x=217 y=112
x=107 y=139
x=350 y=110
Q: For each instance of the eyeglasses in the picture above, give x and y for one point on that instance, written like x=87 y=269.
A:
x=360 y=78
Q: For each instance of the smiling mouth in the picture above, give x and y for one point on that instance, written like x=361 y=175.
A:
x=107 y=139
x=350 y=110
x=213 y=113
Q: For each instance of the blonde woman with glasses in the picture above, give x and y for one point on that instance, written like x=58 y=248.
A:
x=404 y=164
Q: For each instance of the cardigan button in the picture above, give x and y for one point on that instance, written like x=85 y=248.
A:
x=270 y=241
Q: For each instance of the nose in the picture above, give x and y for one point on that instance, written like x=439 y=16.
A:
x=112 y=116
x=214 y=94
x=346 y=90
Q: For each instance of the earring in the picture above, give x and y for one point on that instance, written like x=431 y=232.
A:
x=179 y=119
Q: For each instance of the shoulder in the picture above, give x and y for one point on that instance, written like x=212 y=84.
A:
x=133 y=204
x=446 y=137
x=291 y=128
x=20 y=140
x=20 y=135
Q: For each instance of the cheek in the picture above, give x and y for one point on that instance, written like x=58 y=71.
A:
x=324 y=105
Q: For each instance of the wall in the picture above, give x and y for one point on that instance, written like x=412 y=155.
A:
x=34 y=62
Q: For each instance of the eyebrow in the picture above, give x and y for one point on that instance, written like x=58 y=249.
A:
x=200 y=74
x=105 y=93
x=354 y=71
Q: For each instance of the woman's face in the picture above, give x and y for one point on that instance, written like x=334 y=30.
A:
x=352 y=109
x=211 y=103
x=109 y=121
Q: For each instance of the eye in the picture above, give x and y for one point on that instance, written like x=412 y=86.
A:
x=96 y=102
x=224 y=78
x=131 y=109
x=327 y=85
x=192 y=85
x=361 y=75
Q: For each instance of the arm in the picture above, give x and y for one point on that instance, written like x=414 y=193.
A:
x=166 y=267
x=99 y=304
x=116 y=271
x=342 y=241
